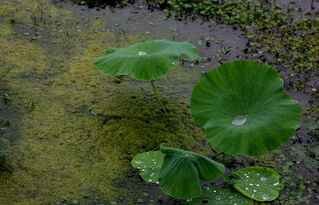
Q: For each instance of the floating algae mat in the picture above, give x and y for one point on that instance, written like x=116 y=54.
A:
x=77 y=130
x=74 y=131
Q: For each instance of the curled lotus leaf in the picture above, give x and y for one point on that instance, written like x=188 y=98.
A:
x=182 y=171
x=244 y=109
x=258 y=183
x=149 y=164
x=218 y=196
x=145 y=61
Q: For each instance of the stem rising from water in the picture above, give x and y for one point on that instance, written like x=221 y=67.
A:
x=158 y=97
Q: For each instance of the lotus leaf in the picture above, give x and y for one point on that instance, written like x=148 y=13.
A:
x=182 y=171
x=243 y=108
x=145 y=61
x=217 y=196
x=258 y=183
x=149 y=164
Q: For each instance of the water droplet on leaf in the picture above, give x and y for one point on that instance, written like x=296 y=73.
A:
x=142 y=53
x=239 y=120
x=265 y=197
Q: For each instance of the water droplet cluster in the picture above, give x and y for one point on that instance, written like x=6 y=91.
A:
x=255 y=184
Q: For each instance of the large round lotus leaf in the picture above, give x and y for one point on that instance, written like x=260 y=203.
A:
x=4 y=124
x=258 y=183
x=182 y=171
x=4 y=146
x=217 y=196
x=243 y=108
x=145 y=61
x=149 y=164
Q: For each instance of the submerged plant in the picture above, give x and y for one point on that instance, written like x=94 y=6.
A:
x=4 y=144
x=145 y=61
x=4 y=124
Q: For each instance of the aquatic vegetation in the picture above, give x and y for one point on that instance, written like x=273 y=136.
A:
x=177 y=171
x=4 y=143
x=149 y=164
x=102 y=3
x=243 y=108
x=67 y=100
x=4 y=124
x=4 y=73
x=258 y=183
x=191 y=168
x=301 y=37
x=145 y=61
x=219 y=196
x=245 y=13
x=4 y=146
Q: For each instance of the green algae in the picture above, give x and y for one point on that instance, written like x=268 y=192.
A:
x=78 y=130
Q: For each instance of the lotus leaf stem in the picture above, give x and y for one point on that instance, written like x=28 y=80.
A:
x=158 y=97
x=216 y=155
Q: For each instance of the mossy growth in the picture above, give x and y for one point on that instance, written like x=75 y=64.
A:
x=78 y=129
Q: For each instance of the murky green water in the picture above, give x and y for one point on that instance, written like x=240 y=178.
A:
x=74 y=130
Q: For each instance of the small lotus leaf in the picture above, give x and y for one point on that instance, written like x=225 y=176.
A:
x=258 y=183
x=4 y=124
x=149 y=164
x=243 y=108
x=182 y=171
x=218 y=196
x=145 y=61
x=4 y=146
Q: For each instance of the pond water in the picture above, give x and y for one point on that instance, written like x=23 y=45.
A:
x=74 y=130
